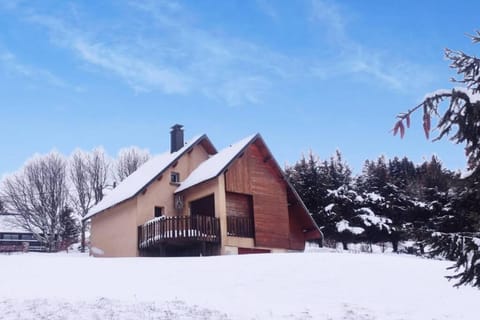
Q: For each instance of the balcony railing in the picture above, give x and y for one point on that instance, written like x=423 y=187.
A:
x=240 y=227
x=178 y=228
x=11 y=245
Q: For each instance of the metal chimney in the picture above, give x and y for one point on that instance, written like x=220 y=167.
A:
x=176 y=138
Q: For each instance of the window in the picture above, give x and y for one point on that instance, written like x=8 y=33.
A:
x=10 y=236
x=27 y=237
x=175 y=177
x=158 y=212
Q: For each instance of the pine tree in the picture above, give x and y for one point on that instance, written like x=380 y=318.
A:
x=339 y=216
x=70 y=230
x=322 y=185
x=377 y=228
x=463 y=207
x=385 y=199
x=308 y=178
x=401 y=172
x=339 y=204
x=462 y=247
x=468 y=262
x=430 y=199
x=337 y=172
x=374 y=176
x=460 y=121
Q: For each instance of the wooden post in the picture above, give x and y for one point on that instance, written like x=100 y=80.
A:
x=139 y=236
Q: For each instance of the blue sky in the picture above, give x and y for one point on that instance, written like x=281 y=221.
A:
x=308 y=75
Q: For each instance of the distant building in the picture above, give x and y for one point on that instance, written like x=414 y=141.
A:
x=194 y=200
x=15 y=238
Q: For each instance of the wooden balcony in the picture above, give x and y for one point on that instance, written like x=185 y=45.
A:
x=178 y=229
x=240 y=227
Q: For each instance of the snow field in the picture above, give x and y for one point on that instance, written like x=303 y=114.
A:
x=319 y=285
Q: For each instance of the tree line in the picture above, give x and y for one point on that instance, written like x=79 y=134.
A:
x=397 y=200
x=391 y=200
x=52 y=193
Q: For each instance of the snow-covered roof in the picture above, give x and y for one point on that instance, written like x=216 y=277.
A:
x=135 y=182
x=215 y=164
x=8 y=224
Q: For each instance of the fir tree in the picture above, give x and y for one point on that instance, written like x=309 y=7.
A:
x=463 y=207
x=374 y=176
x=387 y=200
x=308 y=178
x=339 y=216
x=337 y=172
x=377 y=228
x=401 y=172
x=460 y=120
x=322 y=183
x=462 y=247
x=304 y=176
x=70 y=229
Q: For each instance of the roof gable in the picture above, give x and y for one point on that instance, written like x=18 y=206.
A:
x=216 y=164
x=143 y=176
x=305 y=216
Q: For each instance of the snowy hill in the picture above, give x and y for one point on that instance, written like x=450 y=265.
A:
x=322 y=285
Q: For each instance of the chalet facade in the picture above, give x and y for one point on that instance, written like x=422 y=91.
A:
x=197 y=201
x=15 y=238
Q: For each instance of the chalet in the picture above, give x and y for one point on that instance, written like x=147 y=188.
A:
x=195 y=200
x=15 y=238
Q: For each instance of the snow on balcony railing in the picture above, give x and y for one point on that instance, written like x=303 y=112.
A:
x=194 y=228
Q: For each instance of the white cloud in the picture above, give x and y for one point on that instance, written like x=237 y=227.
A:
x=142 y=76
x=177 y=57
x=267 y=8
x=240 y=90
x=10 y=64
x=355 y=58
x=329 y=14
x=162 y=46
x=139 y=73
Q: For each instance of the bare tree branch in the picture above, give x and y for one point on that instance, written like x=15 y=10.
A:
x=39 y=194
x=129 y=160
x=82 y=194
x=98 y=173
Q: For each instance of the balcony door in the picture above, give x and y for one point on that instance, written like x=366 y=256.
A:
x=203 y=206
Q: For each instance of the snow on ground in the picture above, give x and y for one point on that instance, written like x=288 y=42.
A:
x=317 y=285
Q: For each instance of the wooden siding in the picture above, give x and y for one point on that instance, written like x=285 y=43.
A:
x=297 y=238
x=254 y=174
x=302 y=218
x=239 y=205
x=238 y=176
